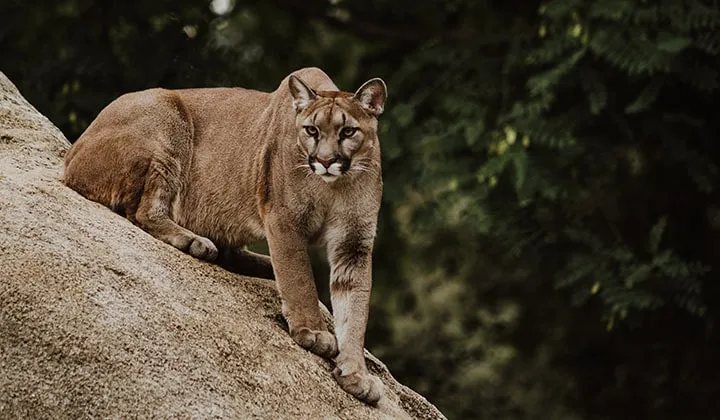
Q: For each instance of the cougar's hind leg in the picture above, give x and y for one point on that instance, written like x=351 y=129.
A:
x=168 y=173
x=245 y=262
x=154 y=212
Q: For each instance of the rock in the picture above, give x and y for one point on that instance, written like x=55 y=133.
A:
x=98 y=319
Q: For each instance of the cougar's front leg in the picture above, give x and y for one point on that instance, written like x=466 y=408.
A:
x=293 y=274
x=350 y=254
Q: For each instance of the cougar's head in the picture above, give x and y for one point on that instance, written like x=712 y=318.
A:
x=337 y=131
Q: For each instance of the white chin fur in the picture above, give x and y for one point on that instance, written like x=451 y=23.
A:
x=329 y=178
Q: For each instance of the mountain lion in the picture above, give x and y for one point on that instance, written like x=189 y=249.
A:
x=219 y=168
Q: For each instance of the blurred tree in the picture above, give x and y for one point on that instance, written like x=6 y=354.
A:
x=550 y=217
x=562 y=160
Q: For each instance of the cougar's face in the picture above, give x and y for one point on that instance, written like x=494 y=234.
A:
x=335 y=131
x=332 y=137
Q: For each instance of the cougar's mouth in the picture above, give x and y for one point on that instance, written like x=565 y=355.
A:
x=329 y=170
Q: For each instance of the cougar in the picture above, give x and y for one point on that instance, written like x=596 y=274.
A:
x=212 y=170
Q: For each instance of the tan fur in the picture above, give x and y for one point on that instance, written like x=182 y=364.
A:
x=203 y=169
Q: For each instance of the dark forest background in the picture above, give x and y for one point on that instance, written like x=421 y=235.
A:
x=550 y=228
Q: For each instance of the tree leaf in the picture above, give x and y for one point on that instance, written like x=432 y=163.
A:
x=672 y=43
x=656 y=234
x=647 y=96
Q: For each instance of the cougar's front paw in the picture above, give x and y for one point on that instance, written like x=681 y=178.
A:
x=321 y=343
x=202 y=248
x=361 y=384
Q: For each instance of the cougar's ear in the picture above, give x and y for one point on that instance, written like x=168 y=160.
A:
x=301 y=93
x=372 y=95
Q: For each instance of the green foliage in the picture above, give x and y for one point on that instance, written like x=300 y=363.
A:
x=644 y=52
x=619 y=276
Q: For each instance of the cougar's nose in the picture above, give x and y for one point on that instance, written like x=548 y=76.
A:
x=326 y=163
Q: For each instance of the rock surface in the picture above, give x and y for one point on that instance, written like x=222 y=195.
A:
x=98 y=319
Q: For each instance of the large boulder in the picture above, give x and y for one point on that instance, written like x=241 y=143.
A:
x=98 y=319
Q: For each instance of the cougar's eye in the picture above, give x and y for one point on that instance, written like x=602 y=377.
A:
x=311 y=130
x=348 y=131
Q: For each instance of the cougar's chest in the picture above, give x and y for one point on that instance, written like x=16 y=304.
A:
x=311 y=216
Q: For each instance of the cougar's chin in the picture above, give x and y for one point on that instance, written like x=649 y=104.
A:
x=329 y=178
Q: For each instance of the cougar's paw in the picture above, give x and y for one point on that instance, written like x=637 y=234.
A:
x=202 y=248
x=361 y=385
x=321 y=343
